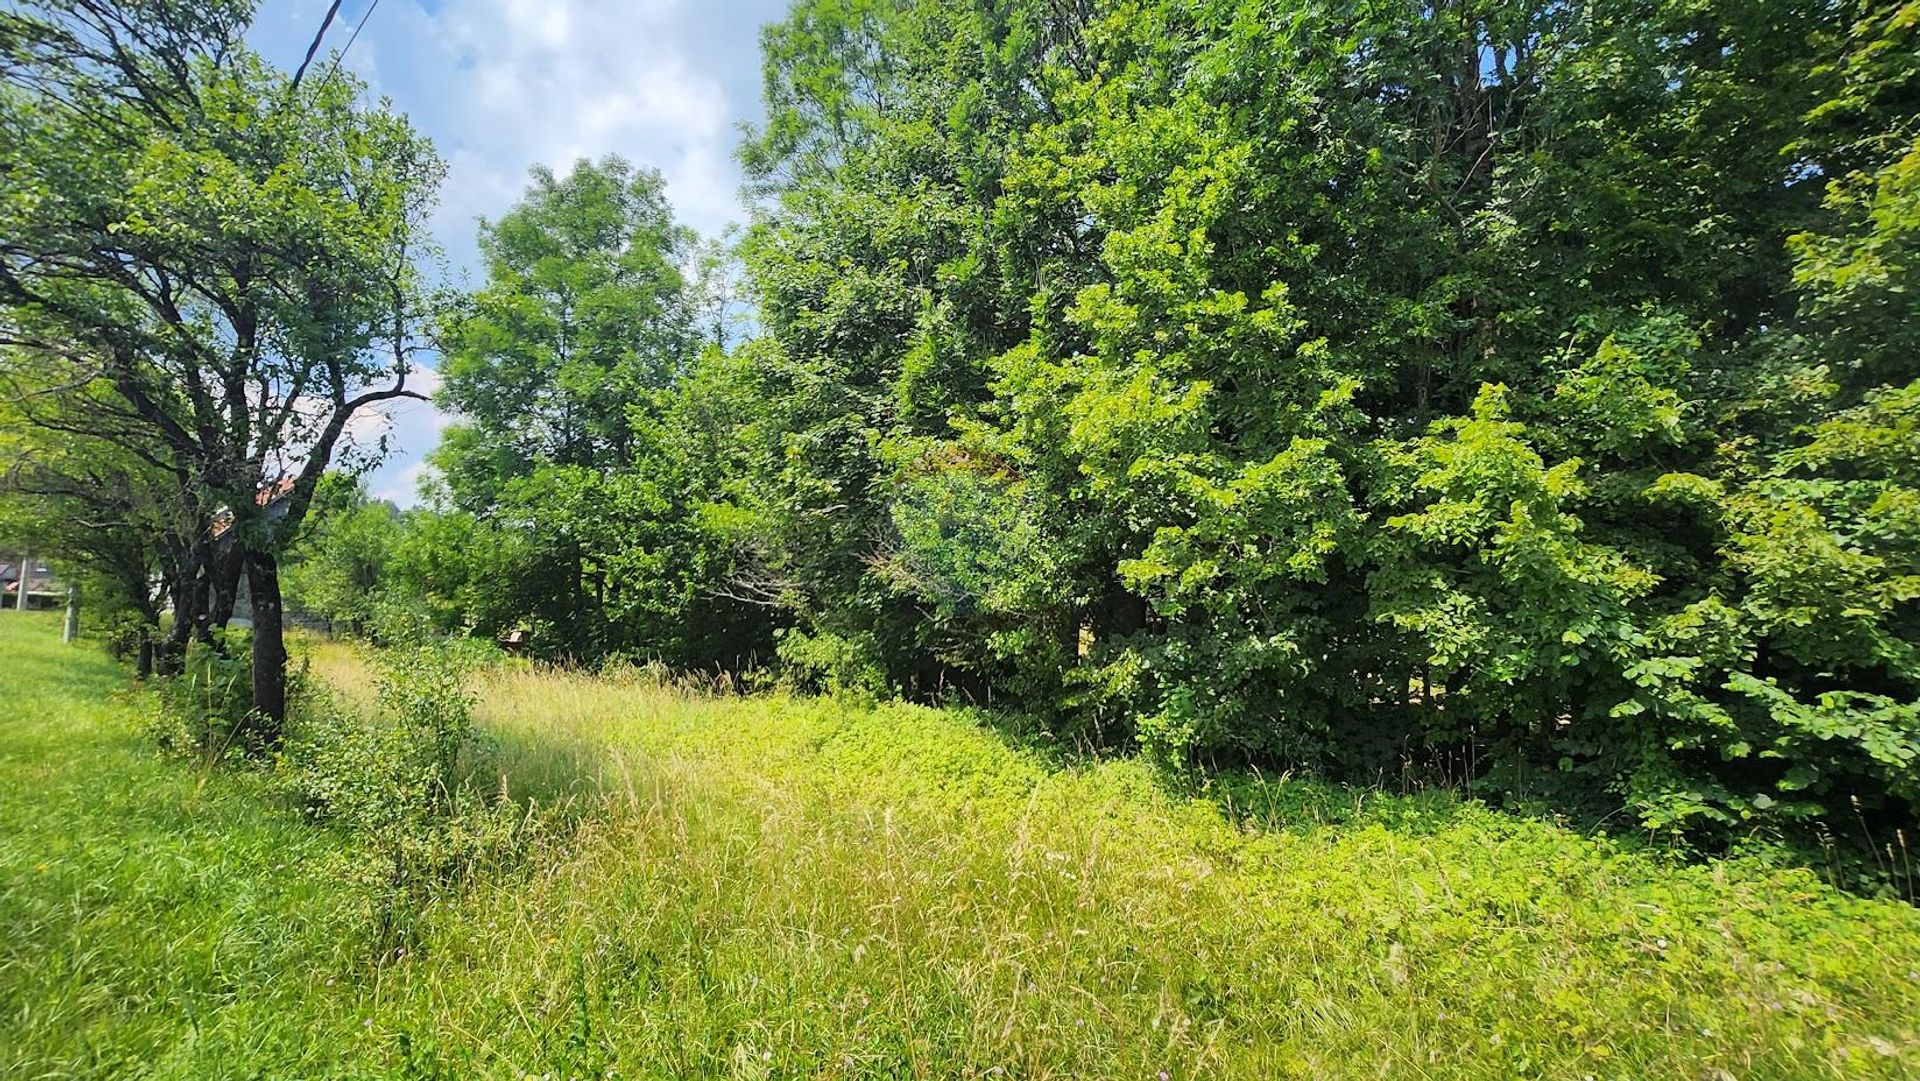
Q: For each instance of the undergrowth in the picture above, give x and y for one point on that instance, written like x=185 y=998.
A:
x=413 y=785
x=770 y=887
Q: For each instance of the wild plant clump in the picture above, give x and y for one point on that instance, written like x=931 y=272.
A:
x=409 y=782
x=206 y=710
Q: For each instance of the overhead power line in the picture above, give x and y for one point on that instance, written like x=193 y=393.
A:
x=353 y=37
x=318 y=36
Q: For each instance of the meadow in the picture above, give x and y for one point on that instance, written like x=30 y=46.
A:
x=780 y=887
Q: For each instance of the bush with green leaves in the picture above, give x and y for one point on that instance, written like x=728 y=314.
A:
x=409 y=783
x=206 y=709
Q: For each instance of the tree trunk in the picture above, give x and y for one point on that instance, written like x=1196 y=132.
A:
x=224 y=573
x=269 y=645
x=201 y=583
x=171 y=657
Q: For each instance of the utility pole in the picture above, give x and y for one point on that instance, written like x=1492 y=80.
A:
x=72 y=628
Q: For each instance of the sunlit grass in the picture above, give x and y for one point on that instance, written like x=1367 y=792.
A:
x=773 y=887
x=337 y=664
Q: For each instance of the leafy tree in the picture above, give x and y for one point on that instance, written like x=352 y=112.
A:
x=574 y=450
x=339 y=568
x=584 y=311
x=1496 y=390
x=220 y=263
x=104 y=513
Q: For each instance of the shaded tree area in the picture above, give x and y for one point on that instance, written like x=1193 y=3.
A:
x=206 y=271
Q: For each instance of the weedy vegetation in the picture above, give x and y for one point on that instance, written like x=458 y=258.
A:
x=508 y=871
x=1420 y=503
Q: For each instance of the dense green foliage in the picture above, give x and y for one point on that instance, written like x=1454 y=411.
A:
x=337 y=573
x=207 y=270
x=1498 y=392
x=773 y=887
x=1489 y=402
x=576 y=469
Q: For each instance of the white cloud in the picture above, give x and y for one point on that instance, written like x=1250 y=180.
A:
x=402 y=488
x=500 y=85
x=551 y=81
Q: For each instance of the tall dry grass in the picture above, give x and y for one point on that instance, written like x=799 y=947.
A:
x=782 y=887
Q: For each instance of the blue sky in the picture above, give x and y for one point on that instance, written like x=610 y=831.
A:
x=500 y=85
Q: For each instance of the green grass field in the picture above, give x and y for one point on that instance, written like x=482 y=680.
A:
x=783 y=888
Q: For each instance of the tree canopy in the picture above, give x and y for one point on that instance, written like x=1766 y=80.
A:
x=1496 y=392
x=207 y=267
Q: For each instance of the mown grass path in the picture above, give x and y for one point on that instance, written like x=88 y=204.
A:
x=779 y=888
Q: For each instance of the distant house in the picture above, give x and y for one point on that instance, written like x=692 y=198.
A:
x=274 y=498
x=43 y=589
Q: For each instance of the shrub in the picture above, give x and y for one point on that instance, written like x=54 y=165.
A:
x=833 y=663
x=122 y=633
x=207 y=710
x=408 y=783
